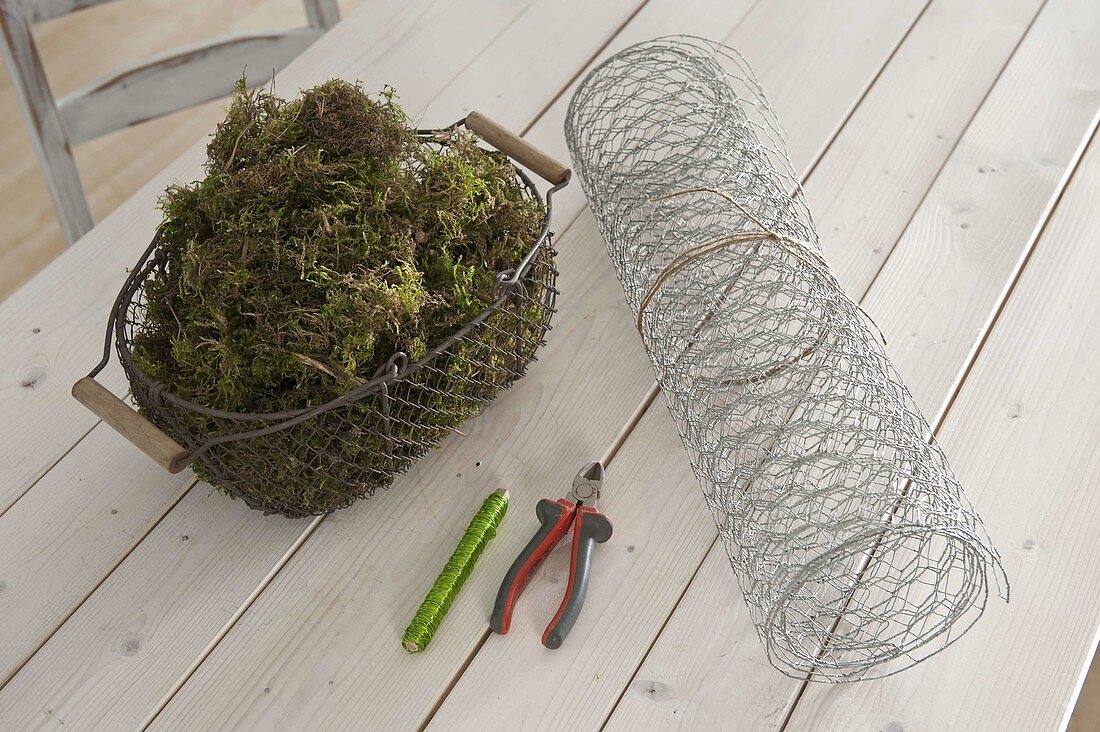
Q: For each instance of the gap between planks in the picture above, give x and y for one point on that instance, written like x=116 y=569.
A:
x=51 y=466
x=951 y=152
x=588 y=64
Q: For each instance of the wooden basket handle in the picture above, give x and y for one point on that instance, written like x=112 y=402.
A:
x=517 y=148
x=142 y=433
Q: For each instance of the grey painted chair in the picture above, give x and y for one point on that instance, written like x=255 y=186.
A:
x=154 y=87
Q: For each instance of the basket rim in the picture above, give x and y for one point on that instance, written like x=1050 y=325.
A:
x=395 y=368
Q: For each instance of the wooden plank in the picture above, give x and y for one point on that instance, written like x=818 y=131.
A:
x=177 y=79
x=1025 y=433
x=63 y=538
x=707 y=666
x=105 y=685
x=53 y=327
x=968 y=236
x=44 y=123
x=168 y=655
x=897 y=141
x=347 y=562
x=1053 y=69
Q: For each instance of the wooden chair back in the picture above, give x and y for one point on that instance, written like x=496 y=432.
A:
x=151 y=88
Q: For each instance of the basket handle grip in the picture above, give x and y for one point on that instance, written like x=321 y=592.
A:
x=517 y=148
x=142 y=433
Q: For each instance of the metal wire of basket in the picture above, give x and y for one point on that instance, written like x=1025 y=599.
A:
x=323 y=458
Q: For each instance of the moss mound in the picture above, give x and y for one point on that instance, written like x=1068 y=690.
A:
x=324 y=238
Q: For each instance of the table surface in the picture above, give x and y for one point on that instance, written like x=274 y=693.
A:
x=945 y=150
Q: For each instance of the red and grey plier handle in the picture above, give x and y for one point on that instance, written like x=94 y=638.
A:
x=590 y=527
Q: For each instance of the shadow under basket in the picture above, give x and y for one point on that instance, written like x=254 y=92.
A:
x=313 y=461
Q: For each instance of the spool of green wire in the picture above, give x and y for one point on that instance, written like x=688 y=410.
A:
x=482 y=528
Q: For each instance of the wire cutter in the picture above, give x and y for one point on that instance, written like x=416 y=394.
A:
x=590 y=527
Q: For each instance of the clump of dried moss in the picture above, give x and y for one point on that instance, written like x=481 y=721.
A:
x=324 y=238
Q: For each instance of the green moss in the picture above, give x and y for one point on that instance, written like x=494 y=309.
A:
x=324 y=238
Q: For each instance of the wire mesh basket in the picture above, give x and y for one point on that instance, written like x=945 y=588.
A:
x=315 y=460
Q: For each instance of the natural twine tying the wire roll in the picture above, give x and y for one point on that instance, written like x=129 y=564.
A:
x=482 y=528
x=801 y=250
x=854 y=546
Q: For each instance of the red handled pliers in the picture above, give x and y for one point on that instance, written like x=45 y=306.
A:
x=590 y=527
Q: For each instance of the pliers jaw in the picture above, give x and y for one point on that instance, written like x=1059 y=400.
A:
x=587 y=484
x=590 y=527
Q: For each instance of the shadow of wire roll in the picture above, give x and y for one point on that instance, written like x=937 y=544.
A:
x=857 y=552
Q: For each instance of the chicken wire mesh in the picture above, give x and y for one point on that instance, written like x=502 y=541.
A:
x=853 y=544
x=313 y=461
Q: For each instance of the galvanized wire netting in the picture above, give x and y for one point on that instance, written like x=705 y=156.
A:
x=855 y=548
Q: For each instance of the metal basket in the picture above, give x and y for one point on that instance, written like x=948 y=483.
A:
x=315 y=460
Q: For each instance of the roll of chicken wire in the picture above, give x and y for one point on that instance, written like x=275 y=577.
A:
x=857 y=552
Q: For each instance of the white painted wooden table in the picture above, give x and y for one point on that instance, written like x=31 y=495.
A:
x=946 y=151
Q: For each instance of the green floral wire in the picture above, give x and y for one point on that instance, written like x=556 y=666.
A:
x=482 y=528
